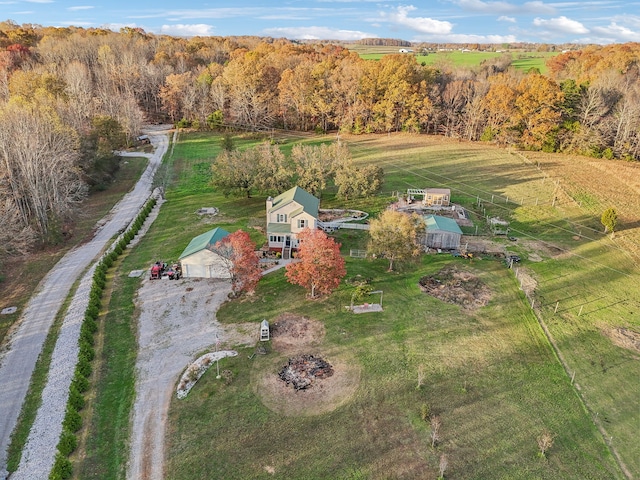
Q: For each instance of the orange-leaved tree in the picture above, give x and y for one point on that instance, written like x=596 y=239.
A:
x=320 y=267
x=238 y=251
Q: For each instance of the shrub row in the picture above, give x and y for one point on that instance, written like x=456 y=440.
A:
x=62 y=467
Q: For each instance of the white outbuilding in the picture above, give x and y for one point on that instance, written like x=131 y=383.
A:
x=200 y=259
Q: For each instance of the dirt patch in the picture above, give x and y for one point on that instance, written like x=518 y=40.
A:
x=326 y=395
x=291 y=333
x=543 y=249
x=301 y=337
x=458 y=287
x=528 y=284
x=623 y=337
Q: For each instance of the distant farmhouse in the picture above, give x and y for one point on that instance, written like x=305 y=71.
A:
x=287 y=215
x=200 y=260
x=442 y=232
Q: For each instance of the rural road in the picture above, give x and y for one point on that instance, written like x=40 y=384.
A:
x=24 y=344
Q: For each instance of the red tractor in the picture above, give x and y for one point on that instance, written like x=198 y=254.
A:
x=157 y=269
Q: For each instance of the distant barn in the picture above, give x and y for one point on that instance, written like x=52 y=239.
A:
x=442 y=232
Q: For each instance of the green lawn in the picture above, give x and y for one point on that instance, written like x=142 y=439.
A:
x=490 y=375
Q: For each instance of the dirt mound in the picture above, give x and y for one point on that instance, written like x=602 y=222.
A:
x=458 y=287
x=302 y=371
x=291 y=332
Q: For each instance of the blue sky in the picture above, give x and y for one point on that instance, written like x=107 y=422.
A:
x=603 y=22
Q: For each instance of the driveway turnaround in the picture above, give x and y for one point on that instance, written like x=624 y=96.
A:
x=18 y=358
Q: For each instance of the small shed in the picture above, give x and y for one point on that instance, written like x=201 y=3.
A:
x=437 y=196
x=264 y=331
x=442 y=232
x=200 y=260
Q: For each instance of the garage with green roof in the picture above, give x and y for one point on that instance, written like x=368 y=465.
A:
x=201 y=260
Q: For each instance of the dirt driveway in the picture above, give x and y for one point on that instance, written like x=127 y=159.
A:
x=177 y=322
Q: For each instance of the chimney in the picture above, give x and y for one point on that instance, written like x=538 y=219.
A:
x=269 y=203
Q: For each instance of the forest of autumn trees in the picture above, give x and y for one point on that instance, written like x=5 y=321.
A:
x=72 y=95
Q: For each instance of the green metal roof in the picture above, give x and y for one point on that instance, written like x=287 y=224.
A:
x=435 y=222
x=308 y=202
x=205 y=240
x=295 y=212
x=278 y=228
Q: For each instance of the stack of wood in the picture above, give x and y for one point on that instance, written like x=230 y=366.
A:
x=301 y=371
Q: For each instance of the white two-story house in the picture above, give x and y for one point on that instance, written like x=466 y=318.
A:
x=287 y=215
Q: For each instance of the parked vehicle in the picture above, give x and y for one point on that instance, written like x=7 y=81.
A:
x=157 y=270
x=174 y=272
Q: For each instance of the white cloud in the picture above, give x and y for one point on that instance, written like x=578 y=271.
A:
x=535 y=7
x=77 y=24
x=632 y=20
x=561 y=25
x=419 y=24
x=117 y=26
x=39 y=1
x=504 y=18
x=466 y=38
x=182 y=30
x=617 y=33
x=317 y=33
x=80 y=7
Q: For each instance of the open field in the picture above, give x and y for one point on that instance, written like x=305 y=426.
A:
x=520 y=60
x=490 y=375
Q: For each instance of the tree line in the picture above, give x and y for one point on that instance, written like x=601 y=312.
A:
x=266 y=169
x=70 y=96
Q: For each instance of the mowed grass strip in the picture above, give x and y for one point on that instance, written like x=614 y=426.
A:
x=490 y=375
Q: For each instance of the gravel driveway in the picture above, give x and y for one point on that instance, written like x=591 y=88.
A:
x=177 y=322
x=18 y=358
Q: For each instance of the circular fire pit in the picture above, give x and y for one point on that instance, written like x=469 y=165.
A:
x=301 y=371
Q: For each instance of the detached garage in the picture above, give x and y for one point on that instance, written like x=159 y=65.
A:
x=442 y=232
x=200 y=260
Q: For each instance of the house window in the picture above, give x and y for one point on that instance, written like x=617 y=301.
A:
x=302 y=223
x=282 y=218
